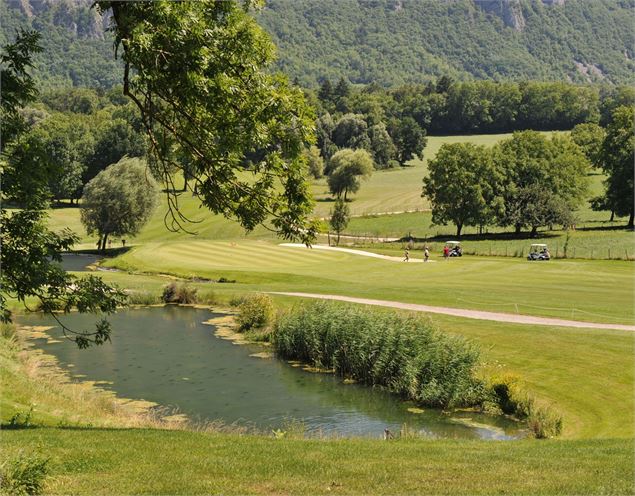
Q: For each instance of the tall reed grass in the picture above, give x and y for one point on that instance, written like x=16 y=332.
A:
x=407 y=355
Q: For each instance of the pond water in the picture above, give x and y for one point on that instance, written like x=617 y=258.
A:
x=77 y=262
x=167 y=356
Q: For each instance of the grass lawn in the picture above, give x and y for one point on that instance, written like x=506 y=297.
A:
x=599 y=291
x=111 y=461
x=398 y=190
x=586 y=375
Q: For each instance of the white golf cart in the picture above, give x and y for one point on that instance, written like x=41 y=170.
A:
x=454 y=248
x=538 y=251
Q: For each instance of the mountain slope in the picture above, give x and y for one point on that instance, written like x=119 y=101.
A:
x=396 y=41
x=386 y=41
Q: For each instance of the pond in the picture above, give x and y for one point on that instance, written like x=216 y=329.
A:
x=77 y=262
x=168 y=356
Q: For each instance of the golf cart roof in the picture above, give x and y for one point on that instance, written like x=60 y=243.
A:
x=452 y=242
x=539 y=244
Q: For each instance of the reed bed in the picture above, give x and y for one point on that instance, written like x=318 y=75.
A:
x=405 y=354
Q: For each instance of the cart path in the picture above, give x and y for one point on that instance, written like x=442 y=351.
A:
x=354 y=252
x=470 y=314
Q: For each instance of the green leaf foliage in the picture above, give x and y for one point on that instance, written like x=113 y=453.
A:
x=402 y=353
x=197 y=72
x=346 y=170
x=119 y=200
x=616 y=156
x=463 y=186
x=340 y=216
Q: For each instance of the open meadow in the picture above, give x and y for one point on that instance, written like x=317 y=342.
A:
x=586 y=375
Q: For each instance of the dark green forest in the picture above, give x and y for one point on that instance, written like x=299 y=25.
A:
x=392 y=42
x=387 y=42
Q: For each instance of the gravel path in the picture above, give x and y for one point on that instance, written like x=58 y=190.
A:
x=355 y=252
x=470 y=314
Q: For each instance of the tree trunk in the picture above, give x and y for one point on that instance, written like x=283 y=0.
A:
x=612 y=216
x=518 y=228
x=337 y=243
x=458 y=230
x=630 y=220
x=534 y=231
x=103 y=246
x=345 y=192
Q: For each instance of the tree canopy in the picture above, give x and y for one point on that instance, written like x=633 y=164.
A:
x=119 y=200
x=527 y=180
x=616 y=157
x=31 y=253
x=347 y=168
x=462 y=186
x=199 y=74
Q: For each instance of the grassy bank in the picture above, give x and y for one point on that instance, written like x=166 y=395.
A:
x=600 y=291
x=98 y=461
x=587 y=374
x=35 y=391
x=568 y=367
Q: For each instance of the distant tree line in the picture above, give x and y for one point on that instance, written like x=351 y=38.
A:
x=449 y=107
x=531 y=181
x=76 y=133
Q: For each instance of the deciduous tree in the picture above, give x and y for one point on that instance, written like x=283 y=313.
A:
x=199 y=72
x=30 y=252
x=348 y=168
x=616 y=157
x=340 y=215
x=463 y=186
x=119 y=200
x=529 y=160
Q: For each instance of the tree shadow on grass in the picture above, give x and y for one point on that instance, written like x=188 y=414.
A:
x=606 y=228
x=505 y=236
x=108 y=253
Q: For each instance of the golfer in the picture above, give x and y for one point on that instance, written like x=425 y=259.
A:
x=426 y=254
x=446 y=252
x=407 y=255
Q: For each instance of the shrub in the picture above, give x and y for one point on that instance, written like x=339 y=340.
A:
x=169 y=293
x=23 y=475
x=544 y=422
x=142 y=298
x=179 y=293
x=208 y=297
x=507 y=393
x=20 y=420
x=7 y=330
x=405 y=354
x=255 y=312
x=236 y=300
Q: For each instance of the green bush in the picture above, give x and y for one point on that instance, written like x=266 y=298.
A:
x=179 y=293
x=405 y=354
x=543 y=421
x=23 y=475
x=236 y=300
x=142 y=298
x=255 y=312
x=208 y=297
x=7 y=330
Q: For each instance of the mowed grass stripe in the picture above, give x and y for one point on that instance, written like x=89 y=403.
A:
x=237 y=249
x=232 y=256
x=269 y=255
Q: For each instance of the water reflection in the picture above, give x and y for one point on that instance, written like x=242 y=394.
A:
x=165 y=355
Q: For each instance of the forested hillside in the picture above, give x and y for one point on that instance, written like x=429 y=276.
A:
x=396 y=41
x=77 y=48
x=389 y=42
